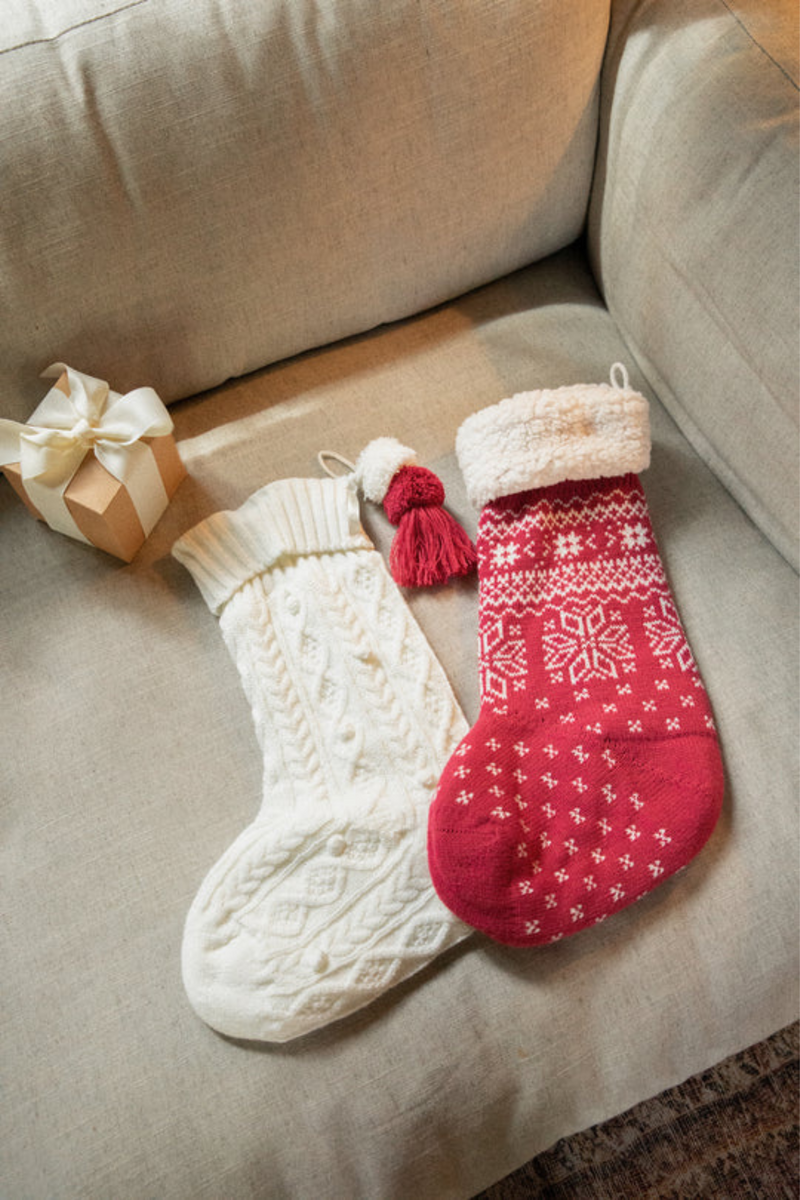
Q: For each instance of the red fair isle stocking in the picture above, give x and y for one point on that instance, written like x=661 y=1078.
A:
x=593 y=772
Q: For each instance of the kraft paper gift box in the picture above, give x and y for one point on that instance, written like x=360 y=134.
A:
x=93 y=464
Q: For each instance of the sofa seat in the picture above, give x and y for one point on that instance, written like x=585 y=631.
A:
x=148 y=767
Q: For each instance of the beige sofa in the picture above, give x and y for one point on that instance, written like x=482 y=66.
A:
x=306 y=225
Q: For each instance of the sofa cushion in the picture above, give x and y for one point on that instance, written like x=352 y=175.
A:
x=129 y=763
x=194 y=188
x=694 y=231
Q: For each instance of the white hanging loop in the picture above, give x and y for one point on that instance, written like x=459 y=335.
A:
x=619 y=377
x=339 y=458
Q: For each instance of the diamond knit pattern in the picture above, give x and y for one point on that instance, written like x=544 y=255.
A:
x=325 y=900
x=593 y=772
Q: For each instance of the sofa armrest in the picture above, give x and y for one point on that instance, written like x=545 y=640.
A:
x=693 y=231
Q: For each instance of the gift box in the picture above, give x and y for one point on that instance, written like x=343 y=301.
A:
x=93 y=464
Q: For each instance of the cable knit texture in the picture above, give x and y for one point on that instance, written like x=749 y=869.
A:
x=325 y=900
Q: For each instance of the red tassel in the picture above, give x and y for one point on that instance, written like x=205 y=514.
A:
x=430 y=546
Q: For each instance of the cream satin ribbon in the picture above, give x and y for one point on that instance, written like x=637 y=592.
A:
x=64 y=428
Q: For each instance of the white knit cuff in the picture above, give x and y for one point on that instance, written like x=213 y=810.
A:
x=378 y=463
x=533 y=439
x=281 y=521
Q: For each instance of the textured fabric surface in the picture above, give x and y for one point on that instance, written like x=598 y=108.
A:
x=593 y=771
x=729 y=1132
x=581 y=431
x=378 y=463
x=128 y=760
x=194 y=188
x=694 y=231
x=324 y=901
x=294 y=518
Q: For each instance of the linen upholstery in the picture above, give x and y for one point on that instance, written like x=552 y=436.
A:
x=195 y=188
x=694 y=231
x=145 y=767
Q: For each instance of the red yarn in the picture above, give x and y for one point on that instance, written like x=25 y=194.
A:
x=430 y=546
x=412 y=487
x=551 y=816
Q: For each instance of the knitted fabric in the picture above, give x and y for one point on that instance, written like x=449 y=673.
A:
x=593 y=771
x=325 y=900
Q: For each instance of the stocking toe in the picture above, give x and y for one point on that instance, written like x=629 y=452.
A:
x=303 y=921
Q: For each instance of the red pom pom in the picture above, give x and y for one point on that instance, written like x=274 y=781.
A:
x=412 y=487
x=430 y=546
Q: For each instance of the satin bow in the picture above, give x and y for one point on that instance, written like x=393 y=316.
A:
x=77 y=415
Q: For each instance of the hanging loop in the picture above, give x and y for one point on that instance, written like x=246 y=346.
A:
x=339 y=458
x=619 y=377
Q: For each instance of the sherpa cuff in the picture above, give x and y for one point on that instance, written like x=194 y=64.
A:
x=533 y=439
x=284 y=520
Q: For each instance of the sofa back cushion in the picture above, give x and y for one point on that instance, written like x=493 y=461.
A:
x=694 y=231
x=195 y=188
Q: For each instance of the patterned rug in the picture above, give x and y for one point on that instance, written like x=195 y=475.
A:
x=729 y=1133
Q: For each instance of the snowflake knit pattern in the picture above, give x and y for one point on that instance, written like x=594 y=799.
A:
x=593 y=772
x=325 y=900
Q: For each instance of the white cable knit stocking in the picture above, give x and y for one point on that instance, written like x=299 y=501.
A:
x=325 y=900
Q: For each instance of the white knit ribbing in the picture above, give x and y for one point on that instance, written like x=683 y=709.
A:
x=533 y=439
x=325 y=900
x=285 y=519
